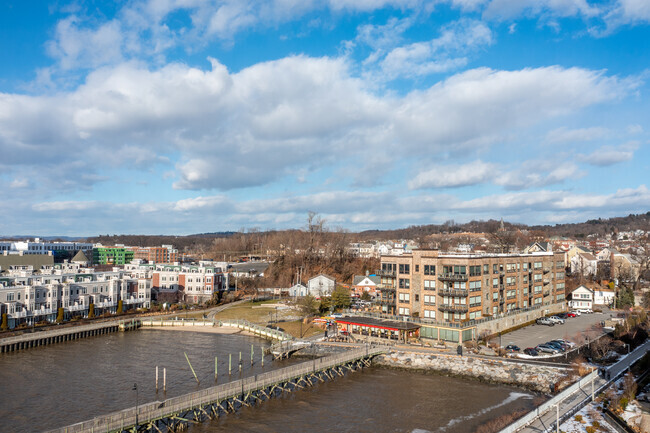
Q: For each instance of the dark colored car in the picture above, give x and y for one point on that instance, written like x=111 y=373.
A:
x=531 y=351
x=561 y=343
x=512 y=348
x=563 y=315
x=558 y=346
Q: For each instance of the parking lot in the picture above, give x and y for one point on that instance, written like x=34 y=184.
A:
x=575 y=329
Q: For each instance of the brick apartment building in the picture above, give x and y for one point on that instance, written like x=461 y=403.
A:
x=163 y=254
x=450 y=287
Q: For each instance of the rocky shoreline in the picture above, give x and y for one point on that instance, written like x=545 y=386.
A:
x=532 y=377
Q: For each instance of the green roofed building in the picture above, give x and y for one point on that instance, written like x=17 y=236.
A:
x=112 y=256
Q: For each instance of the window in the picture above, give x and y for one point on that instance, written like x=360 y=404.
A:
x=460 y=285
x=404 y=311
x=404 y=297
x=511 y=294
x=10 y=296
x=495 y=296
x=525 y=266
x=495 y=269
x=538 y=278
x=474 y=286
x=429 y=299
x=429 y=285
x=495 y=282
x=460 y=270
x=429 y=314
x=538 y=265
x=510 y=281
x=474 y=301
x=559 y=275
x=538 y=301
x=404 y=269
x=429 y=269
x=511 y=267
x=417 y=268
x=538 y=289
x=475 y=315
x=404 y=283
x=559 y=286
x=474 y=271
x=486 y=269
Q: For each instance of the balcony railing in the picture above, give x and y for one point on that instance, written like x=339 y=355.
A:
x=452 y=277
x=453 y=292
x=385 y=273
x=453 y=308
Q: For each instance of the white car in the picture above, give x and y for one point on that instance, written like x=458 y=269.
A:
x=556 y=319
x=585 y=310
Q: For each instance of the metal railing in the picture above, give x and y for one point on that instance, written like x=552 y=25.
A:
x=257 y=329
x=453 y=292
x=454 y=308
x=56 y=333
x=158 y=410
x=453 y=277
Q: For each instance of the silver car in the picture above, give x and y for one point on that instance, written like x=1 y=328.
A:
x=556 y=319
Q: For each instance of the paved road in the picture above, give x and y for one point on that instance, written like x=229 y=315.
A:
x=575 y=329
x=547 y=421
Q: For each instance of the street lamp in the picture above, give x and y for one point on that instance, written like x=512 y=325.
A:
x=135 y=388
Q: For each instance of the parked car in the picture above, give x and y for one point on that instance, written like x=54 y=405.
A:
x=512 y=348
x=531 y=351
x=571 y=314
x=558 y=346
x=576 y=312
x=544 y=321
x=585 y=310
x=567 y=342
x=556 y=319
x=544 y=347
x=563 y=315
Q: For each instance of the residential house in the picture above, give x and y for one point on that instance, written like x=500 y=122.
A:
x=321 y=285
x=581 y=298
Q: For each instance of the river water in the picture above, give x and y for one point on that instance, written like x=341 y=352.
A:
x=52 y=386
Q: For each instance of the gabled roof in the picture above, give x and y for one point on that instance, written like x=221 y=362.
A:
x=587 y=256
x=359 y=278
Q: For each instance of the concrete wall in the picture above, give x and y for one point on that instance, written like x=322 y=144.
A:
x=499 y=325
x=534 y=377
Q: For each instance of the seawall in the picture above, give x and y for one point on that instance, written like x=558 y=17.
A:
x=534 y=377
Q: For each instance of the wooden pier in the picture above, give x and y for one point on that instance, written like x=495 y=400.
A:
x=176 y=413
x=64 y=334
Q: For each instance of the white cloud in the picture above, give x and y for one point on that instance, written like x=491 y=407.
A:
x=512 y=9
x=452 y=176
x=252 y=127
x=627 y=12
x=442 y=54
x=564 y=135
x=610 y=155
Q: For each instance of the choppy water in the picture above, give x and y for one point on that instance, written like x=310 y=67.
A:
x=57 y=385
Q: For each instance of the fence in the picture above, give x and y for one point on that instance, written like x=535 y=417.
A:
x=259 y=330
x=160 y=410
x=545 y=407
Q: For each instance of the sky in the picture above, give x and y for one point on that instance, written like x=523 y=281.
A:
x=193 y=116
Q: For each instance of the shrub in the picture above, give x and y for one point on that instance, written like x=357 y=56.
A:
x=578 y=418
x=4 y=325
x=59 y=315
x=624 y=402
x=596 y=424
x=591 y=429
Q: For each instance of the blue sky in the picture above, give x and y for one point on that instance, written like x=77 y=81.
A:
x=188 y=116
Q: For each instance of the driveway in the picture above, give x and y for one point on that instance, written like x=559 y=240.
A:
x=575 y=329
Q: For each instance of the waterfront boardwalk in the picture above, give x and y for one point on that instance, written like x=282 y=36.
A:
x=574 y=398
x=67 y=333
x=175 y=413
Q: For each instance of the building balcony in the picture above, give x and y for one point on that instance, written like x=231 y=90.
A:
x=452 y=277
x=453 y=308
x=384 y=273
x=386 y=289
x=453 y=292
x=387 y=302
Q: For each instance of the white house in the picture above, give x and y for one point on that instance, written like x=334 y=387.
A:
x=584 y=264
x=581 y=298
x=604 y=297
x=321 y=285
x=298 y=290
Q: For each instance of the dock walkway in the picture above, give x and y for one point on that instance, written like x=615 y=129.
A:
x=175 y=413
